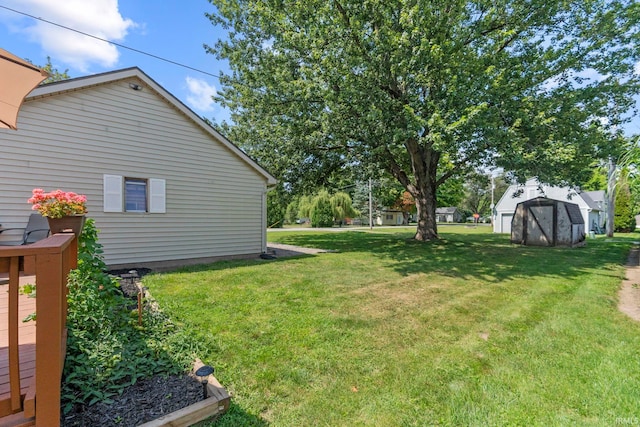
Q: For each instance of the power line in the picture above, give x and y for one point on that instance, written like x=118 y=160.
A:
x=113 y=43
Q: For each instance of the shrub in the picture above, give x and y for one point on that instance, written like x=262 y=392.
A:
x=321 y=210
x=106 y=348
x=624 y=218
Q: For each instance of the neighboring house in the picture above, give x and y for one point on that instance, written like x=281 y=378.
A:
x=390 y=217
x=162 y=185
x=448 y=214
x=591 y=203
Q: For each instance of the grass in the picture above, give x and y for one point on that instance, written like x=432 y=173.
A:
x=469 y=330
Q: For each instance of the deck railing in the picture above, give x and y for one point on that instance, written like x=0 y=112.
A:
x=52 y=259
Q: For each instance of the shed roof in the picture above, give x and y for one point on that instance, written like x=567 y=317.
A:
x=80 y=83
x=573 y=210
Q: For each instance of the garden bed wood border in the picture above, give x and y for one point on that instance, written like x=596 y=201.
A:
x=217 y=403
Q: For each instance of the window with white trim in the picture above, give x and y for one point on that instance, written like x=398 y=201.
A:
x=126 y=194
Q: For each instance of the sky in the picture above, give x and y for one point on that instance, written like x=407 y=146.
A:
x=171 y=29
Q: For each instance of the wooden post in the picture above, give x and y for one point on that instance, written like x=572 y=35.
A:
x=14 y=356
x=52 y=269
x=49 y=280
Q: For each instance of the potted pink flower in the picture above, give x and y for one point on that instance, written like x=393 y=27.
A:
x=64 y=209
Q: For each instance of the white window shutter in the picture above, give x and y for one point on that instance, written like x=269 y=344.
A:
x=157 y=195
x=112 y=193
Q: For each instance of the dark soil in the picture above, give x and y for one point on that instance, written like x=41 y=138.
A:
x=144 y=401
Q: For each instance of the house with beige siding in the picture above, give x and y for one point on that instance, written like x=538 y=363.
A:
x=390 y=217
x=163 y=186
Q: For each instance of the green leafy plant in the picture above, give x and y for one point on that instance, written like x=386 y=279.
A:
x=107 y=350
x=30 y=291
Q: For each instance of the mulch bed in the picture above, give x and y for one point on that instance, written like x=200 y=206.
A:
x=144 y=401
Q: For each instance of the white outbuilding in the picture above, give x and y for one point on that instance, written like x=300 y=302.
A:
x=591 y=204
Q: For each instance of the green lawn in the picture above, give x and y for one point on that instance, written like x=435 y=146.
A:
x=387 y=331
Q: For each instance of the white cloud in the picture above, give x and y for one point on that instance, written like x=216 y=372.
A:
x=100 y=18
x=200 y=94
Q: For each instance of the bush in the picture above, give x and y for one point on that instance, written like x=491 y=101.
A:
x=624 y=218
x=321 y=210
x=107 y=350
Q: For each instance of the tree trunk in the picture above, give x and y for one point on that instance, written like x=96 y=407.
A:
x=424 y=164
x=427 y=228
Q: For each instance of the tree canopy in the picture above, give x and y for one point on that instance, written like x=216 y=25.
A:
x=428 y=90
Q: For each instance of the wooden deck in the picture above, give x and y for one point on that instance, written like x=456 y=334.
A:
x=26 y=341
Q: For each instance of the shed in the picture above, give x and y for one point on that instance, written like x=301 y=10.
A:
x=163 y=186
x=547 y=222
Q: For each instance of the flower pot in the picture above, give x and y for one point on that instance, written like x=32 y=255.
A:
x=66 y=224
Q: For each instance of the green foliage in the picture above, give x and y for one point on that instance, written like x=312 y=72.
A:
x=54 y=74
x=291 y=213
x=106 y=348
x=276 y=208
x=597 y=181
x=624 y=217
x=478 y=193
x=451 y=192
x=304 y=206
x=427 y=91
x=342 y=206
x=321 y=210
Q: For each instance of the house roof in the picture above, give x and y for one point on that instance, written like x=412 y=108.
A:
x=81 y=83
x=595 y=199
x=446 y=210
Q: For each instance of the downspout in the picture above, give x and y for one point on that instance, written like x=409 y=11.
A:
x=264 y=217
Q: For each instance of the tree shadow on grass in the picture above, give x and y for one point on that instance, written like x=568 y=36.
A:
x=488 y=256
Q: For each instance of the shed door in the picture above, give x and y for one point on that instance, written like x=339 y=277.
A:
x=540 y=226
x=505 y=226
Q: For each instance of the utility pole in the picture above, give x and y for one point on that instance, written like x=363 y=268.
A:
x=611 y=187
x=370 y=208
x=493 y=187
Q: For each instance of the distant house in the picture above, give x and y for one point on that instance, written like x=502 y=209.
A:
x=390 y=217
x=162 y=185
x=448 y=214
x=591 y=203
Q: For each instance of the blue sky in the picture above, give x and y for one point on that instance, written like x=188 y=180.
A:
x=172 y=29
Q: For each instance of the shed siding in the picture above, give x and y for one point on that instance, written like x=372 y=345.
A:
x=70 y=141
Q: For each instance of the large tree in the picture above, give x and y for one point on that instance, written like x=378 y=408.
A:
x=428 y=90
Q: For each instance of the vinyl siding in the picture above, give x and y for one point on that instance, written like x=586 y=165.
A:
x=70 y=140
x=507 y=204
